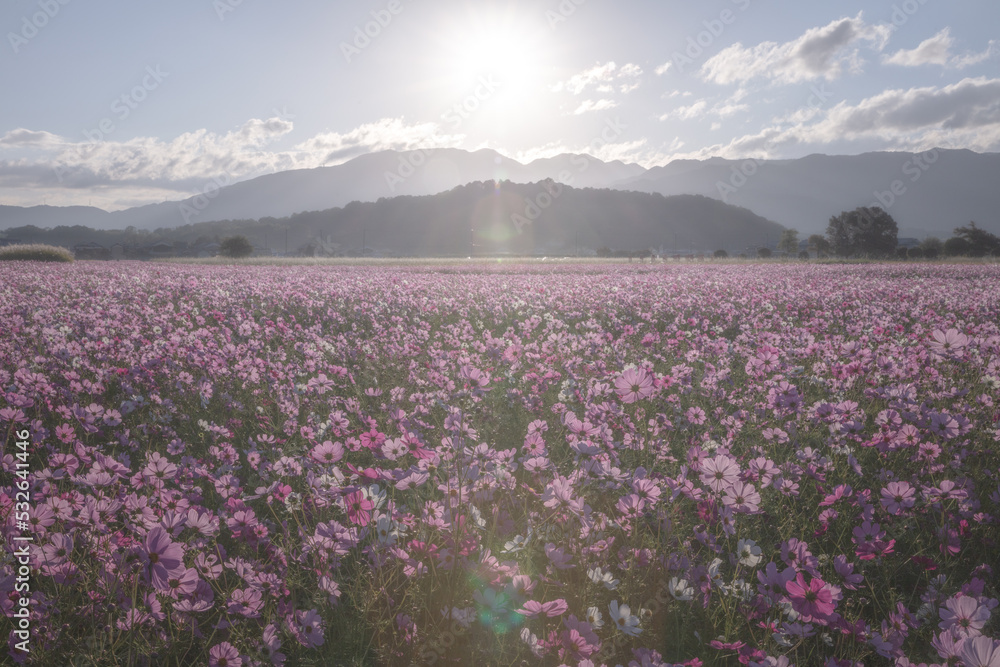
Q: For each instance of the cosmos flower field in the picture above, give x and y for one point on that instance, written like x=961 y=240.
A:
x=490 y=464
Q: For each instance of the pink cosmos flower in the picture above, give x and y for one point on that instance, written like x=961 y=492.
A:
x=247 y=602
x=897 y=497
x=58 y=550
x=980 y=652
x=634 y=384
x=224 y=655
x=964 y=616
x=327 y=452
x=164 y=556
x=695 y=416
x=742 y=497
x=183 y=583
x=311 y=629
x=719 y=472
x=552 y=608
x=946 y=342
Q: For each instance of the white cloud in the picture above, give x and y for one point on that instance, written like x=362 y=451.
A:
x=821 y=52
x=603 y=79
x=936 y=50
x=147 y=169
x=686 y=112
x=635 y=152
x=972 y=104
x=965 y=114
x=933 y=51
x=724 y=109
x=595 y=76
x=594 y=105
x=385 y=134
x=23 y=137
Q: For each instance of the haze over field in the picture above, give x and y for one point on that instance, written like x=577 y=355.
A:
x=255 y=89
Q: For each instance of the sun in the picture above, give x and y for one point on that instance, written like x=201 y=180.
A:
x=488 y=66
x=488 y=49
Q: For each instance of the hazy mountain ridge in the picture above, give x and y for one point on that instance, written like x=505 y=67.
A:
x=480 y=218
x=368 y=177
x=934 y=192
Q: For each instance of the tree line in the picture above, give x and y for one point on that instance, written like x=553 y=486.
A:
x=872 y=232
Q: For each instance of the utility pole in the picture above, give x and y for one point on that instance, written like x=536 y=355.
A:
x=363 y=230
x=286 y=241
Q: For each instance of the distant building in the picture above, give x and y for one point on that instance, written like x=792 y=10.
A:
x=161 y=250
x=91 y=250
x=907 y=242
x=118 y=251
x=210 y=249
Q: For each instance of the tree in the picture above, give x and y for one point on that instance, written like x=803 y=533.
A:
x=789 y=242
x=236 y=247
x=818 y=244
x=916 y=252
x=981 y=242
x=720 y=254
x=956 y=246
x=932 y=247
x=763 y=253
x=865 y=231
x=804 y=254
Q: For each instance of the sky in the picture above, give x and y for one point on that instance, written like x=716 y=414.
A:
x=118 y=103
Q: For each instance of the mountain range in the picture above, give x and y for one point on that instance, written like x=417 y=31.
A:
x=927 y=194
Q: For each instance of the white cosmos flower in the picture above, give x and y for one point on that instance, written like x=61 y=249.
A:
x=376 y=494
x=517 y=544
x=594 y=617
x=386 y=531
x=606 y=578
x=680 y=589
x=748 y=552
x=623 y=619
x=714 y=575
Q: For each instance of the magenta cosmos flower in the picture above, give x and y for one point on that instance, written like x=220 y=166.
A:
x=634 y=384
x=815 y=600
x=358 y=508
